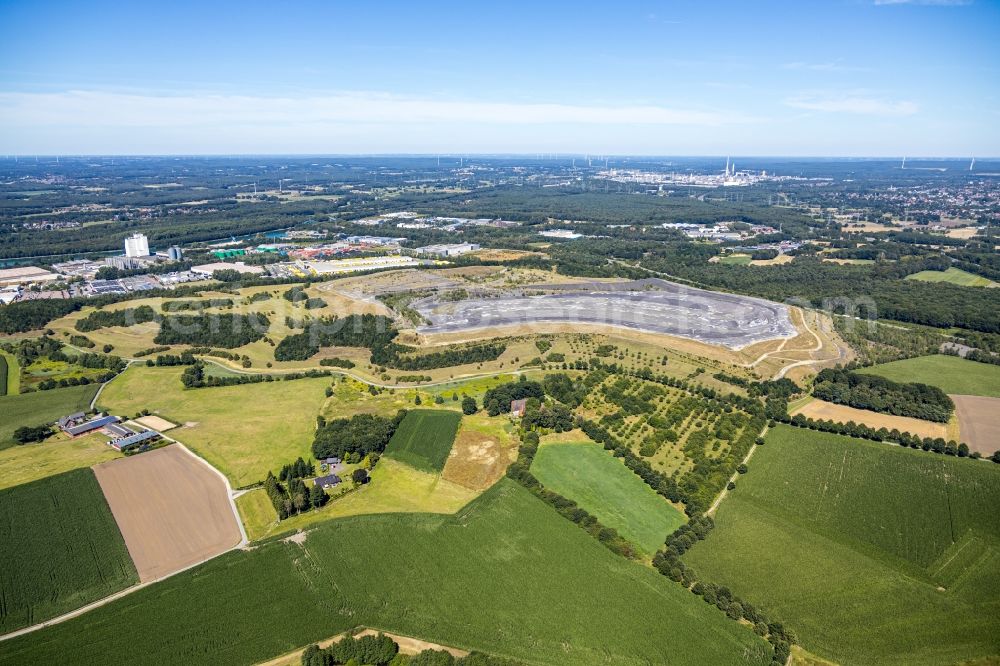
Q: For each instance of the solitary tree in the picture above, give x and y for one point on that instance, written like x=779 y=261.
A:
x=469 y=405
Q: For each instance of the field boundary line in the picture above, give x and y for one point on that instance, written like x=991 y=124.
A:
x=135 y=588
x=93 y=403
x=732 y=479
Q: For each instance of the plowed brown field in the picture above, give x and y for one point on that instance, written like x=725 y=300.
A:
x=171 y=508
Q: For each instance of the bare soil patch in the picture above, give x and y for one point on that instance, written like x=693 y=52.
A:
x=172 y=509
x=978 y=422
x=820 y=409
x=477 y=460
x=156 y=423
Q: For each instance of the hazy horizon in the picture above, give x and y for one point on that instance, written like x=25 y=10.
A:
x=844 y=78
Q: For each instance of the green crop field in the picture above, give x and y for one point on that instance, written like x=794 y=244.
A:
x=34 y=409
x=423 y=440
x=60 y=549
x=245 y=431
x=555 y=596
x=952 y=276
x=869 y=552
x=951 y=374
x=601 y=484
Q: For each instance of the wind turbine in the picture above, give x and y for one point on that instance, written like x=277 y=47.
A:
x=972 y=164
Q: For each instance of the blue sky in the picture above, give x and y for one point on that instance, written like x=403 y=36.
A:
x=812 y=77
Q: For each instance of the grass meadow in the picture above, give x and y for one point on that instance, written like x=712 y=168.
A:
x=555 y=596
x=952 y=276
x=601 y=484
x=245 y=431
x=60 y=549
x=424 y=438
x=869 y=552
x=951 y=374
x=395 y=487
x=34 y=409
x=58 y=454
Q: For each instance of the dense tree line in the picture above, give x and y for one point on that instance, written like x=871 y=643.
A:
x=361 y=434
x=194 y=377
x=550 y=416
x=228 y=330
x=81 y=341
x=977 y=355
x=497 y=400
x=377 y=650
x=879 y=394
x=293 y=497
x=125 y=317
x=561 y=387
x=668 y=562
x=337 y=362
x=167 y=360
x=31 y=315
x=392 y=356
x=300 y=469
x=203 y=304
x=376 y=333
x=861 y=431
x=366 y=330
x=151 y=350
x=28 y=434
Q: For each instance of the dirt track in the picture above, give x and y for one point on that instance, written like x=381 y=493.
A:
x=978 y=423
x=172 y=510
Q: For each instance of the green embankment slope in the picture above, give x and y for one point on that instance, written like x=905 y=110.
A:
x=870 y=552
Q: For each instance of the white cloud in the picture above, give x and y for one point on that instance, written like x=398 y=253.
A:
x=83 y=108
x=858 y=103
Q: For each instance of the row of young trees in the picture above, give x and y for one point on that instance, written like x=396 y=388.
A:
x=194 y=377
x=879 y=394
x=861 y=431
x=668 y=562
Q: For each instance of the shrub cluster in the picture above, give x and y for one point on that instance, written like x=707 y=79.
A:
x=337 y=362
